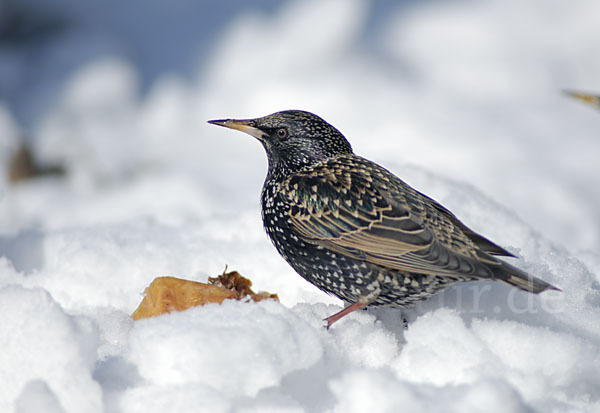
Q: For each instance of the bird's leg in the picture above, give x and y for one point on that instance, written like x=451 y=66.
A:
x=362 y=302
x=347 y=310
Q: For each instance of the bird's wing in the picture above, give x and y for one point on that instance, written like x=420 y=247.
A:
x=482 y=242
x=360 y=210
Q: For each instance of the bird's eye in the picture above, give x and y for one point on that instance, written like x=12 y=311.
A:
x=282 y=133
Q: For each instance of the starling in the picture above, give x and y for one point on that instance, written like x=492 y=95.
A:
x=588 y=98
x=354 y=229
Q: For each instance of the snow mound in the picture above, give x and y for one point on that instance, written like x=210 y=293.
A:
x=46 y=353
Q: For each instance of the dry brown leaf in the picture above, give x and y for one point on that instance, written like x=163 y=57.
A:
x=233 y=281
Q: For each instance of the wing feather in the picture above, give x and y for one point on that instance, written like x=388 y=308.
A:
x=362 y=213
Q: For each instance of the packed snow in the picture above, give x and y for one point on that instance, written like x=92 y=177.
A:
x=461 y=99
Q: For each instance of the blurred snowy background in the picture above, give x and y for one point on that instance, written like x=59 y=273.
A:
x=460 y=98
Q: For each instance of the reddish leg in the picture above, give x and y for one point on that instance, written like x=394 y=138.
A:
x=362 y=302
x=353 y=307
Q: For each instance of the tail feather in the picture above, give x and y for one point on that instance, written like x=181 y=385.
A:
x=520 y=279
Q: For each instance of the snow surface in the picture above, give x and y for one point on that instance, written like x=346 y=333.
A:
x=459 y=98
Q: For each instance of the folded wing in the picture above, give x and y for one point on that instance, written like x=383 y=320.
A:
x=361 y=212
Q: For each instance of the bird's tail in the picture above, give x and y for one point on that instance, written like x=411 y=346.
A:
x=520 y=279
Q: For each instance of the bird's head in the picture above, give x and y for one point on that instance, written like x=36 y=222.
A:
x=293 y=139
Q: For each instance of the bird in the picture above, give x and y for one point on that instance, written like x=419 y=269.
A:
x=357 y=231
x=590 y=99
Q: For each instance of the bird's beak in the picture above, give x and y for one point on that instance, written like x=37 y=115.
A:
x=244 y=125
x=593 y=100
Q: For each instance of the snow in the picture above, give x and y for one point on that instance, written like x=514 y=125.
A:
x=461 y=99
x=35 y=324
x=287 y=344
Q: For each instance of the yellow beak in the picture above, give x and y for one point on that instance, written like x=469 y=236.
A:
x=244 y=125
x=593 y=100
